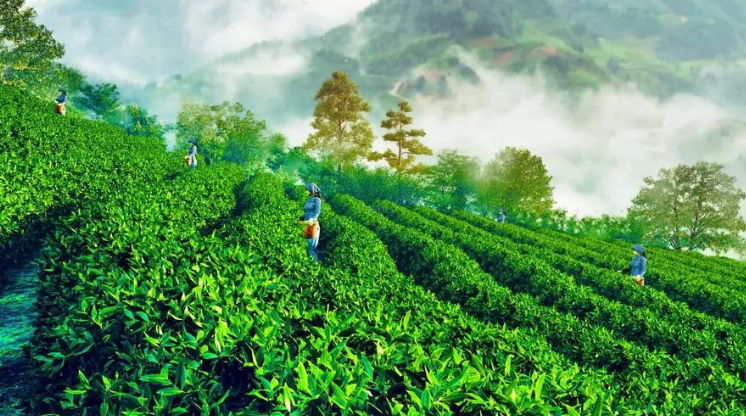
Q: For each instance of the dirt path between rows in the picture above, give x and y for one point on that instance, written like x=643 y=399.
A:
x=18 y=287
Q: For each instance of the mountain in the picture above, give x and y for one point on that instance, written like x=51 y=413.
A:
x=407 y=48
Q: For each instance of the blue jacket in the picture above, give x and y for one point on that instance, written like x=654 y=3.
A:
x=312 y=210
x=638 y=266
x=62 y=99
x=193 y=150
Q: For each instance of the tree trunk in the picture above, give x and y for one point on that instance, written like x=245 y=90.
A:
x=398 y=189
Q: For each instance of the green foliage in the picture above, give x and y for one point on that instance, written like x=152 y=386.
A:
x=26 y=48
x=452 y=180
x=517 y=181
x=592 y=268
x=225 y=132
x=44 y=83
x=341 y=130
x=495 y=255
x=137 y=122
x=44 y=165
x=694 y=287
x=693 y=207
x=407 y=145
x=590 y=260
x=364 y=183
x=251 y=145
x=454 y=277
x=102 y=100
x=170 y=291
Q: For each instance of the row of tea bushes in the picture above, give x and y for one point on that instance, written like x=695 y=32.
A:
x=453 y=276
x=123 y=299
x=664 y=330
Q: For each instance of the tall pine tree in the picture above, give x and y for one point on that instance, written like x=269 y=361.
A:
x=407 y=144
x=341 y=130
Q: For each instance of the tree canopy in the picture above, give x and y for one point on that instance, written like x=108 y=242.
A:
x=515 y=180
x=452 y=180
x=102 y=100
x=228 y=132
x=138 y=122
x=693 y=207
x=25 y=47
x=408 y=147
x=341 y=130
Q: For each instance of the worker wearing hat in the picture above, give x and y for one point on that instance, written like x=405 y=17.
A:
x=192 y=157
x=311 y=213
x=638 y=265
x=61 y=102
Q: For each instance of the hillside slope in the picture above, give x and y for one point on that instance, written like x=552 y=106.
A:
x=174 y=291
x=409 y=48
x=178 y=292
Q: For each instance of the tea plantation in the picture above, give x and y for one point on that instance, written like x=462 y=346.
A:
x=168 y=291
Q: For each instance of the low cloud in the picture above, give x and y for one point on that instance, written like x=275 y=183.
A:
x=598 y=152
x=277 y=61
x=598 y=149
x=147 y=40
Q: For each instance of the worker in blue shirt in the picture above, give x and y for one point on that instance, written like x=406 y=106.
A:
x=193 y=154
x=638 y=265
x=61 y=102
x=311 y=213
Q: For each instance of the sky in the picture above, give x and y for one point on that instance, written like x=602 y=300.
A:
x=597 y=156
x=143 y=40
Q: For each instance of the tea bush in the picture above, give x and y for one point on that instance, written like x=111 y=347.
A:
x=678 y=283
x=595 y=268
x=49 y=165
x=172 y=291
x=452 y=275
x=667 y=331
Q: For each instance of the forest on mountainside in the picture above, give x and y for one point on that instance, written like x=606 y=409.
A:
x=661 y=47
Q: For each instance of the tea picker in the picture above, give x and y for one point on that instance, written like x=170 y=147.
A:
x=191 y=158
x=638 y=265
x=61 y=102
x=501 y=215
x=311 y=212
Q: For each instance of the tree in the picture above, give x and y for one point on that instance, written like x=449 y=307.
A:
x=452 y=180
x=515 y=180
x=250 y=145
x=407 y=144
x=341 y=129
x=228 y=132
x=25 y=47
x=102 y=100
x=44 y=83
x=138 y=122
x=693 y=207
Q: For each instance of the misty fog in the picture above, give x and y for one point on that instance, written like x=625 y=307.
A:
x=598 y=153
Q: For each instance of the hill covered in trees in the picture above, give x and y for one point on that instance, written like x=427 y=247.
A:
x=414 y=48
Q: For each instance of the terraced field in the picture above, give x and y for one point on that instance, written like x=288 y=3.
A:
x=168 y=291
